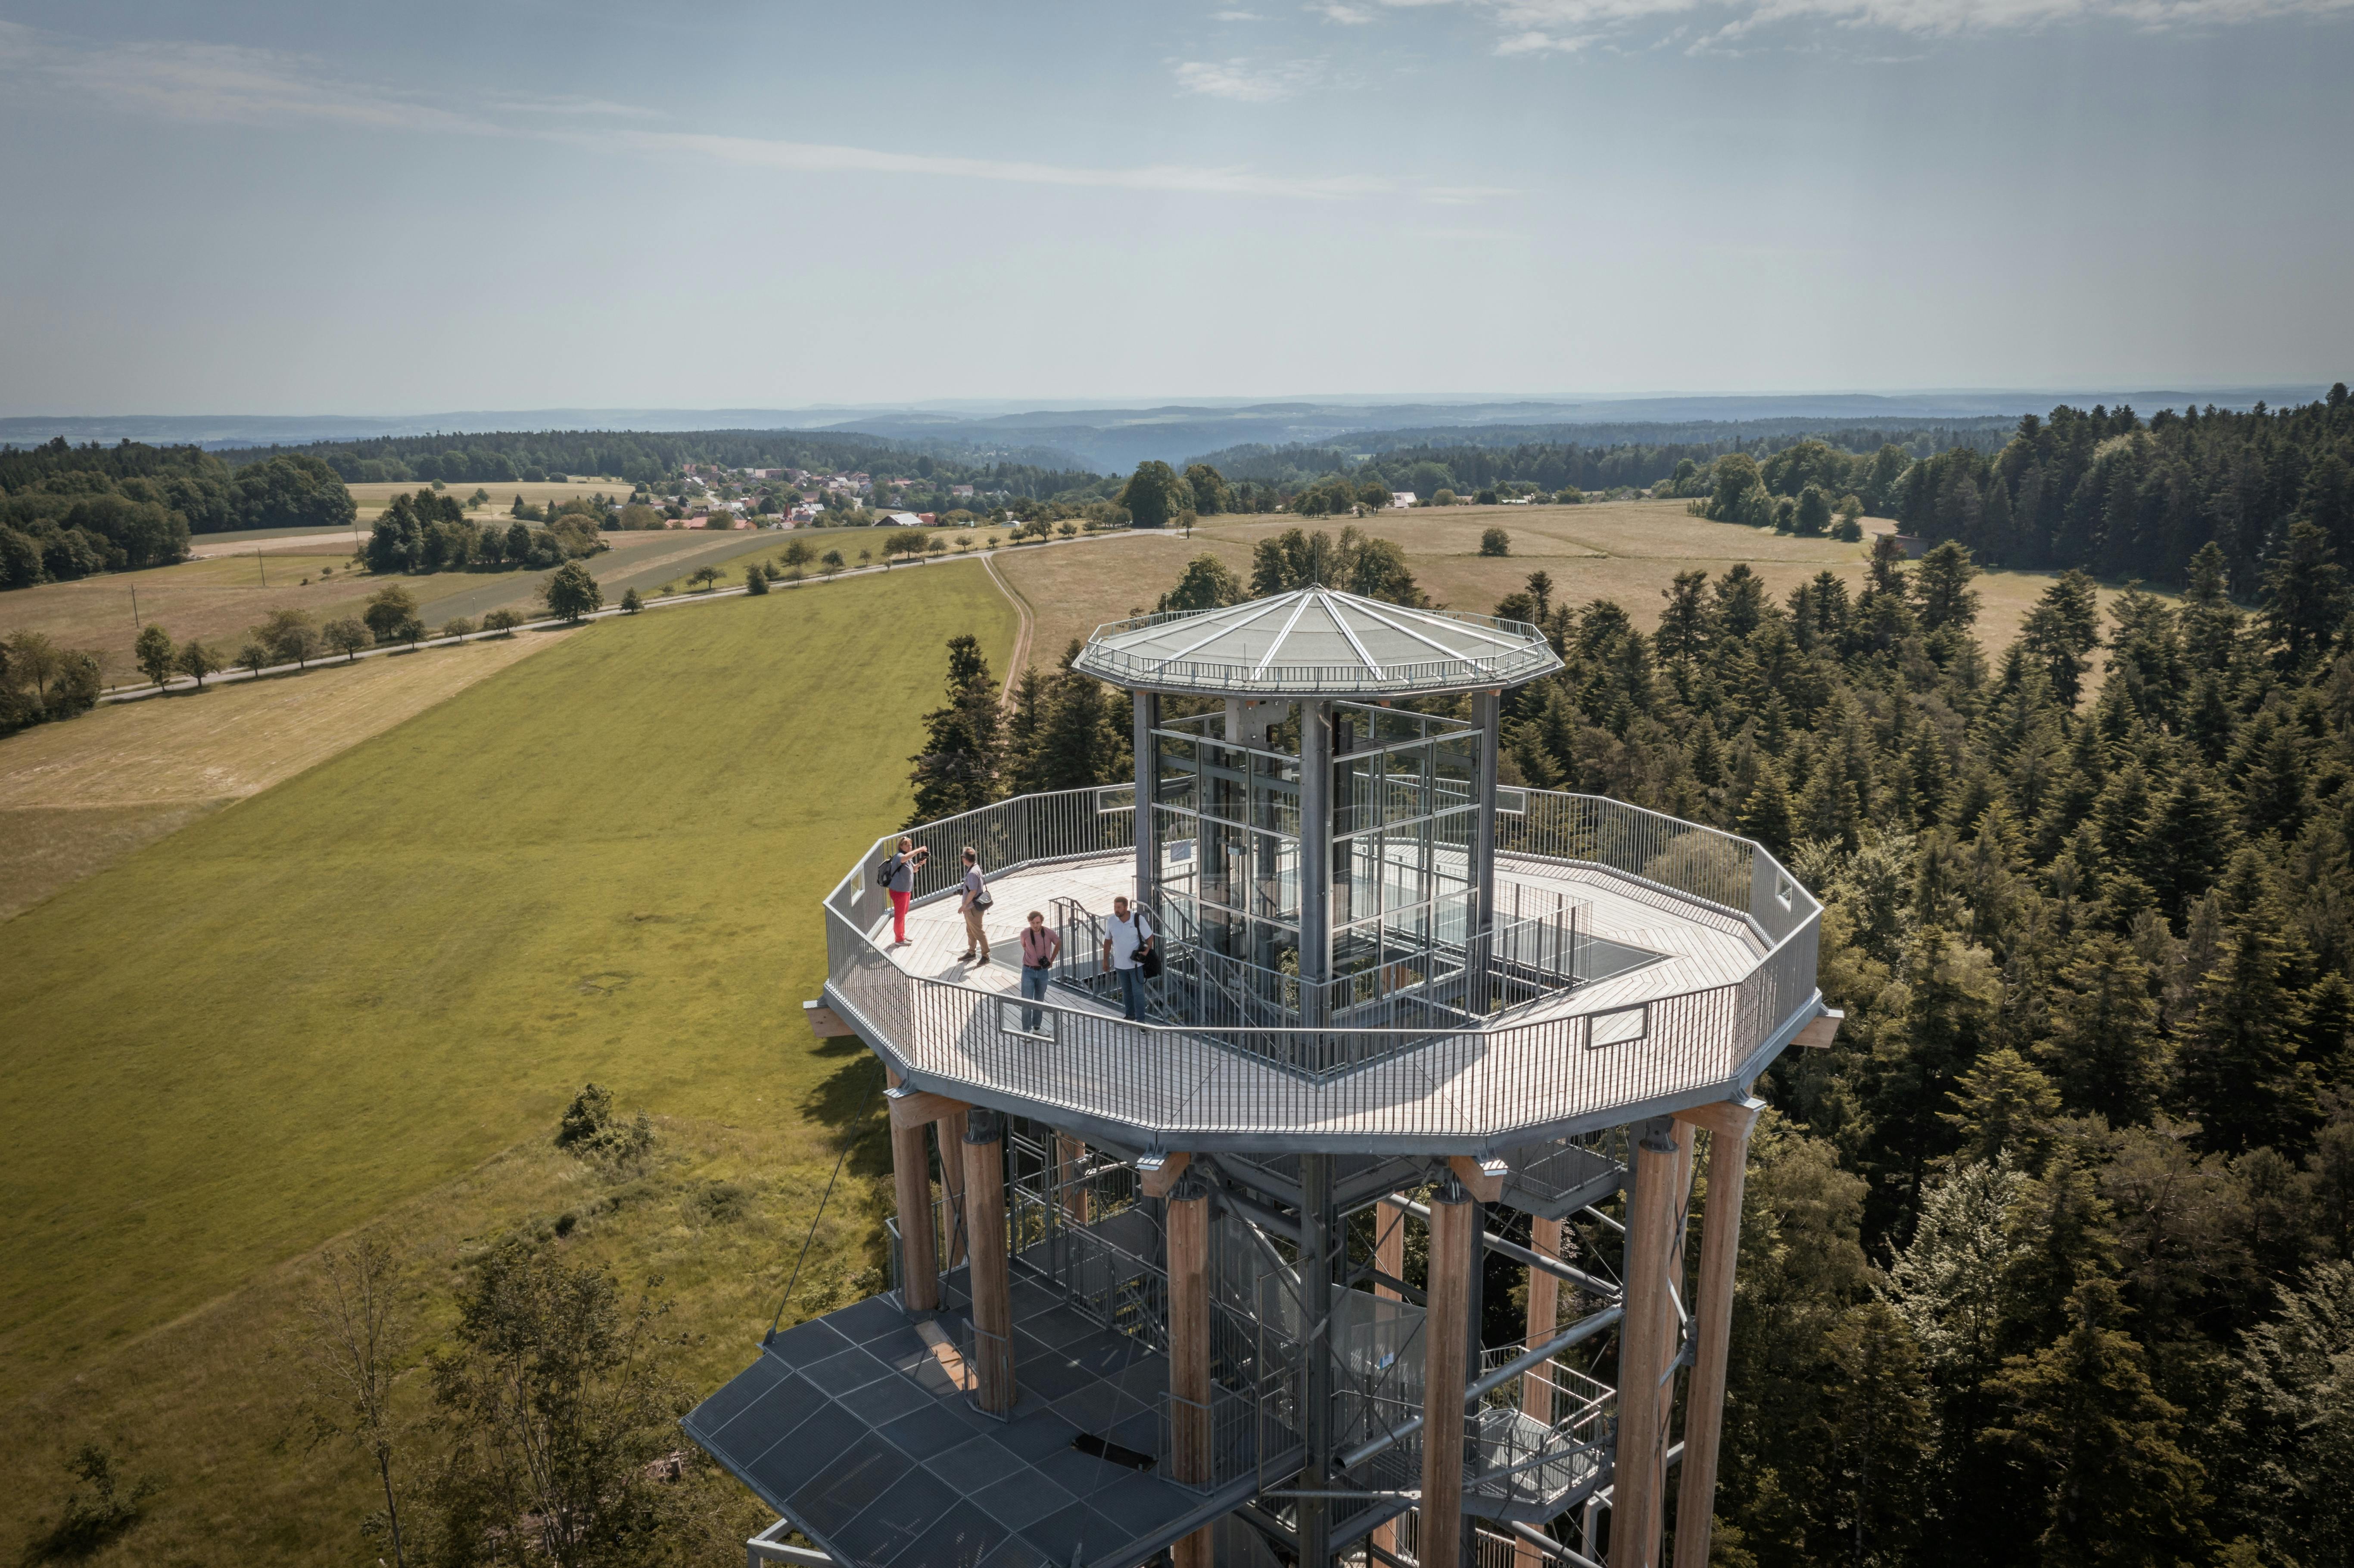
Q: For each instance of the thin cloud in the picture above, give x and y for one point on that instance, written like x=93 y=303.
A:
x=813 y=157
x=227 y=85
x=1245 y=81
x=1347 y=16
x=1236 y=17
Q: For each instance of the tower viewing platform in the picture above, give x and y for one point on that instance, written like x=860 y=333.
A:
x=1157 y=1276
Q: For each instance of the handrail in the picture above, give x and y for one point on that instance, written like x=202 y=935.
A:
x=1484 y=1081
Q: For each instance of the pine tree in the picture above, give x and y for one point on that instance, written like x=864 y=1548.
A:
x=2002 y=1107
x=2097 y=1446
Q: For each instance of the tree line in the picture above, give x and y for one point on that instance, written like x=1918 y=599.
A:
x=648 y=457
x=66 y=512
x=2122 y=497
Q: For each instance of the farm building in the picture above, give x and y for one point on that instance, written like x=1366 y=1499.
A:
x=1151 y=1293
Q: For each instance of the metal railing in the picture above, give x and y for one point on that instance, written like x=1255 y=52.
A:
x=1337 y=1087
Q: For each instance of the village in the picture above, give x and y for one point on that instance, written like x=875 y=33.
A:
x=792 y=497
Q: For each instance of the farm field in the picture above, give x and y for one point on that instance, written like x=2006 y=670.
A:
x=76 y=798
x=1626 y=551
x=373 y=498
x=218 y=598
x=349 y=991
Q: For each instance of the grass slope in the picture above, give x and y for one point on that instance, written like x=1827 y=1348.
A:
x=356 y=986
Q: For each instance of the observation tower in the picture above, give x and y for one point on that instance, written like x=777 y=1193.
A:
x=1216 y=1286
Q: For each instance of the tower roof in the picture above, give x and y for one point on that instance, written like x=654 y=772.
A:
x=1316 y=641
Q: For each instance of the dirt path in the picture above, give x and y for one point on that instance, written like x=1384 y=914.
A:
x=1021 y=659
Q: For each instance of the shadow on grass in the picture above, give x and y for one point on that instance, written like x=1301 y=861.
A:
x=850 y=1102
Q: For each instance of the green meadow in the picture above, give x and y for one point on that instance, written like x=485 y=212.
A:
x=363 y=988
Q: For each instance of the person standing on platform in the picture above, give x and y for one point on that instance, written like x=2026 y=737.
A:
x=974 y=905
x=1040 y=945
x=1125 y=936
x=899 y=880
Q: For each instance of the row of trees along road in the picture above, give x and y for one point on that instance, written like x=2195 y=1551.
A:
x=2050 y=1258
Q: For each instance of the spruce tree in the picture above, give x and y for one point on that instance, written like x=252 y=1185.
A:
x=2104 y=1051
x=2098 y=1448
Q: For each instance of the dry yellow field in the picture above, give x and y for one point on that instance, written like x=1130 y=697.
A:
x=75 y=797
x=218 y=598
x=1626 y=551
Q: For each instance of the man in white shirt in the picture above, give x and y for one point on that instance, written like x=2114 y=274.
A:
x=1126 y=936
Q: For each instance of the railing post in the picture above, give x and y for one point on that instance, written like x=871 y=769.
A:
x=1315 y=858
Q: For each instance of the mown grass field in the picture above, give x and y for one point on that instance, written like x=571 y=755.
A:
x=349 y=991
x=76 y=798
x=1626 y=551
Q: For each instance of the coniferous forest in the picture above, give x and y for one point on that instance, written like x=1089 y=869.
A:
x=2050 y=1258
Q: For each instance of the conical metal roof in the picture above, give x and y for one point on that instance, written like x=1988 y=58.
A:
x=1316 y=641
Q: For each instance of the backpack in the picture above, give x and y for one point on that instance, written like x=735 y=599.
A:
x=887 y=869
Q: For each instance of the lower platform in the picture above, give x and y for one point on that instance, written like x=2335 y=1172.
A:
x=849 y=1426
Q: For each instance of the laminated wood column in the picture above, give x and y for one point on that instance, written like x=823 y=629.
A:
x=992 y=1308
x=1070 y=1159
x=1454 y=1219
x=949 y=1133
x=1728 y=1126
x=1536 y=1384
x=1389 y=1257
x=911 y=1181
x=1638 y=1471
x=1189 y=1350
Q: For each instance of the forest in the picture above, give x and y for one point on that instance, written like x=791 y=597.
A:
x=2124 y=497
x=66 y=511
x=2050 y=1258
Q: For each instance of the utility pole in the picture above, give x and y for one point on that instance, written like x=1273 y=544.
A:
x=260 y=568
x=134 y=609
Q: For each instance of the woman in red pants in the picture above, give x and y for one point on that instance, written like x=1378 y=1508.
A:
x=900 y=878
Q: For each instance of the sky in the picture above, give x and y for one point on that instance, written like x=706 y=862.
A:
x=270 y=207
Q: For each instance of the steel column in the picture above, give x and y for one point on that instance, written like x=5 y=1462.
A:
x=1147 y=705
x=1315 y=856
x=1487 y=709
x=1728 y=1127
x=1316 y=1229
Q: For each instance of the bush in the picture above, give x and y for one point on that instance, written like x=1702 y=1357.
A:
x=589 y=1130
x=458 y=625
x=502 y=621
x=630 y=602
x=1495 y=542
x=1443 y=498
x=756 y=579
x=1846 y=530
